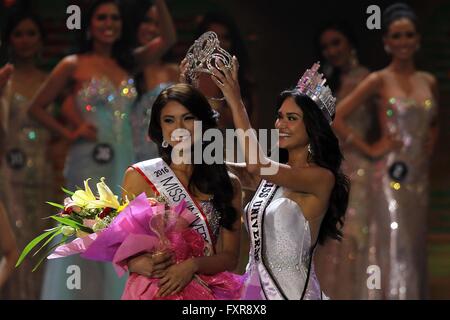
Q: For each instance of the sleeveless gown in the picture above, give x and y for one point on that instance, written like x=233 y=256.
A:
x=286 y=250
x=108 y=108
x=399 y=222
x=26 y=183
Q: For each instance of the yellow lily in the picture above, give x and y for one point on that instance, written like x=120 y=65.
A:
x=82 y=198
x=125 y=203
x=107 y=197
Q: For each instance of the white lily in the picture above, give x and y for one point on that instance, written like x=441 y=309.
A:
x=107 y=197
x=82 y=198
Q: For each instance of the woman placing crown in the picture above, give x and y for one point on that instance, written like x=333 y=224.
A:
x=302 y=201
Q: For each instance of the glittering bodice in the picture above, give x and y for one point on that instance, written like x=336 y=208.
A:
x=287 y=243
x=107 y=107
x=25 y=145
x=213 y=217
x=23 y=130
x=409 y=121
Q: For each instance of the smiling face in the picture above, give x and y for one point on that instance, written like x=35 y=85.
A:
x=402 y=39
x=336 y=48
x=106 y=24
x=291 y=126
x=177 y=123
x=149 y=27
x=26 y=39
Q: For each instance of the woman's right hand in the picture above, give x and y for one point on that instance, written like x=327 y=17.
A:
x=151 y=265
x=385 y=145
x=86 y=131
x=183 y=70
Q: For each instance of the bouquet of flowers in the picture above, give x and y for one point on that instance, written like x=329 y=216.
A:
x=110 y=230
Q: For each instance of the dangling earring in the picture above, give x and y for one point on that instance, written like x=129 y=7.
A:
x=387 y=49
x=310 y=153
x=164 y=144
x=354 y=59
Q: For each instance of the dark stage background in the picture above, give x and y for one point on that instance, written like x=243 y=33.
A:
x=279 y=36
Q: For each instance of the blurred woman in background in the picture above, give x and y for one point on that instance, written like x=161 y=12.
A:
x=407 y=108
x=341 y=266
x=103 y=92
x=154 y=78
x=26 y=169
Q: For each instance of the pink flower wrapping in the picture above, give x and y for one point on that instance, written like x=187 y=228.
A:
x=143 y=228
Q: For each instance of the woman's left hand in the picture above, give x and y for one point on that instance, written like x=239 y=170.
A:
x=227 y=81
x=176 y=278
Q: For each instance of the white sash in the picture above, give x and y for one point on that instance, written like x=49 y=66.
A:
x=164 y=181
x=255 y=219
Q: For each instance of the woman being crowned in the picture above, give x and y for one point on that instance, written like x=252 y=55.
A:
x=211 y=193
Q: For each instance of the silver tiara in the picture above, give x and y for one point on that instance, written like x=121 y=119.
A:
x=312 y=84
x=204 y=55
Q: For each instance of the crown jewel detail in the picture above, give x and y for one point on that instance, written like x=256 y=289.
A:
x=204 y=55
x=312 y=84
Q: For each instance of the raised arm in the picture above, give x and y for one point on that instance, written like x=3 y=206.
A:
x=155 y=49
x=8 y=247
x=308 y=180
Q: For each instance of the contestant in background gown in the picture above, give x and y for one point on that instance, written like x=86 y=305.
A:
x=341 y=265
x=406 y=108
x=26 y=176
x=98 y=108
x=153 y=79
x=108 y=108
x=144 y=148
x=399 y=221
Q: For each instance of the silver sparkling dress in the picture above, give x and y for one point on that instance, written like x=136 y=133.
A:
x=286 y=248
x=26 y=183
x=399 y=225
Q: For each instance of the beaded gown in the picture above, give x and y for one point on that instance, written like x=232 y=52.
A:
x=286 y=251
x=140 y=118
x=399 y=224
x=341 y=266
x=26 y=183
x=108 y=108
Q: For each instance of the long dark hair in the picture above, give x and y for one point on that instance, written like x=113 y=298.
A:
x=334 y=75
x=122 y=49
x=326 y=154
x=238 y=49
x=395 y=12
x=209 y=179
